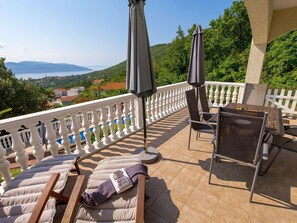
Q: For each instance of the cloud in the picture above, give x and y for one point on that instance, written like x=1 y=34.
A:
x=2 y=45
x=24 y=49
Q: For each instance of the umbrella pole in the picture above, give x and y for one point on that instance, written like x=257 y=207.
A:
x=197 y=95
x=144 y=125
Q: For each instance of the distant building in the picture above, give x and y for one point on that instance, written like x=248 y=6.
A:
x=75 y=91
x=68 y=100
x=60 y=92
x=113 y=86
x=98 y=81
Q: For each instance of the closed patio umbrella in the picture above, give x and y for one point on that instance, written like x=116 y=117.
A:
x=140 y=75
x=196 y=75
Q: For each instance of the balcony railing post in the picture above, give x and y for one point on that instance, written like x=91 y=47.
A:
x=87 y=133
x=106 y=138
x=51 y=137
x=35 y=141
x=19 y=147
x=98 y=143
x=64 y=132
x=132 y=114
x=139 y=123
x=76 y=135
x=4 y=167
x=126 y=120
x=120 y=132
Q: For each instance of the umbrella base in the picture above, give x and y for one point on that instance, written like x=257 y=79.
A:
x=151 y=156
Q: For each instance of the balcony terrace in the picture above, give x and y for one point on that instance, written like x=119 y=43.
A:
x=178 y=189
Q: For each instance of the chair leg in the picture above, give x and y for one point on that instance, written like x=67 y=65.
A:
x=211 y=164
x=255 y=179
x=272 y=161
x=189 y=137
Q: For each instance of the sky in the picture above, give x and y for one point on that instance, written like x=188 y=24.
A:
x=91 y=32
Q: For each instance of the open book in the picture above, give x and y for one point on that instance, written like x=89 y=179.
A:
x=120 y=180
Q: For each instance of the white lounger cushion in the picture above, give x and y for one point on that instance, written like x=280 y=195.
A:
x=119 y=208
x=20 y=197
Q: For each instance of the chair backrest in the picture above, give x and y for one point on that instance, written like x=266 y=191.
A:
x=204 y=102
x=254 y=94
x=193 y=108
x=240 y=134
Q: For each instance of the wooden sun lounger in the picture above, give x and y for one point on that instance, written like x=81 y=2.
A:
x=27 y=190
x=124 y=207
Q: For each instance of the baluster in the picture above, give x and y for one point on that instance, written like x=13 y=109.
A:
x=132 y=113
x=35 y=141
x=163 y=107
x=149 y=110
x=153 y=98
x=76 y=135
x=87 y=133
x=51 y=137
x=216 y=96
x=222 y=95
x=98 y=143
x=179 y=98
x=159 y=105
x=106 y=138
x=167 y=102
x=64 y=135
x=120 y=132
x=210 y=98
x=170 y=104
x=174 y=99
x=234 y=95
x=19 y=147
x=112 y=135
x=156 y=107
x=126 y=110
x=228 y=95
x=4 y=167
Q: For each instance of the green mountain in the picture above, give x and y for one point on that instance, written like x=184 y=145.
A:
x=114 y=73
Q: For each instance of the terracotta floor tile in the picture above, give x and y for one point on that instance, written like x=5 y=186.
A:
x=189 y=177
x=152 y=216
x=188 y=215
x=180 y=189
x=203 y=202
x=166 y=207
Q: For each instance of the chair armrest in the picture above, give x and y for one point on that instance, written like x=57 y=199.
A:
x=203 y=123
x=212 y=118
x=73 y=200
x=42 y=200
x=291 y=130
x=140 y=199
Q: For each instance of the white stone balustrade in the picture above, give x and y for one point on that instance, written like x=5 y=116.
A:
x=71 y=128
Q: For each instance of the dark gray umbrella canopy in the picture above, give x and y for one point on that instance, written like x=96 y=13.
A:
x=196 y=76
x=140 y=75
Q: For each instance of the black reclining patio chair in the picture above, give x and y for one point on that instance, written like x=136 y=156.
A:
x=255 y=94
x=195 y=123
x=239 y=139
x=204 y=105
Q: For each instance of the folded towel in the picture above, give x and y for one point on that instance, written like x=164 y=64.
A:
x=106 y=189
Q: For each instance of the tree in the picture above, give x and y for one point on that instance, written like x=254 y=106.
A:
x=23 y=97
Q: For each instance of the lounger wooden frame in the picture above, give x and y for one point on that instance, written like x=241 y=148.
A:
x=75 y=198
x=49 y=191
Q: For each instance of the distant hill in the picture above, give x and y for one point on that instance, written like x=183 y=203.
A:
x=158 y=53
x=42 y=67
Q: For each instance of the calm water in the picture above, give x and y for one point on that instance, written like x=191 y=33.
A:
x=60 y=74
